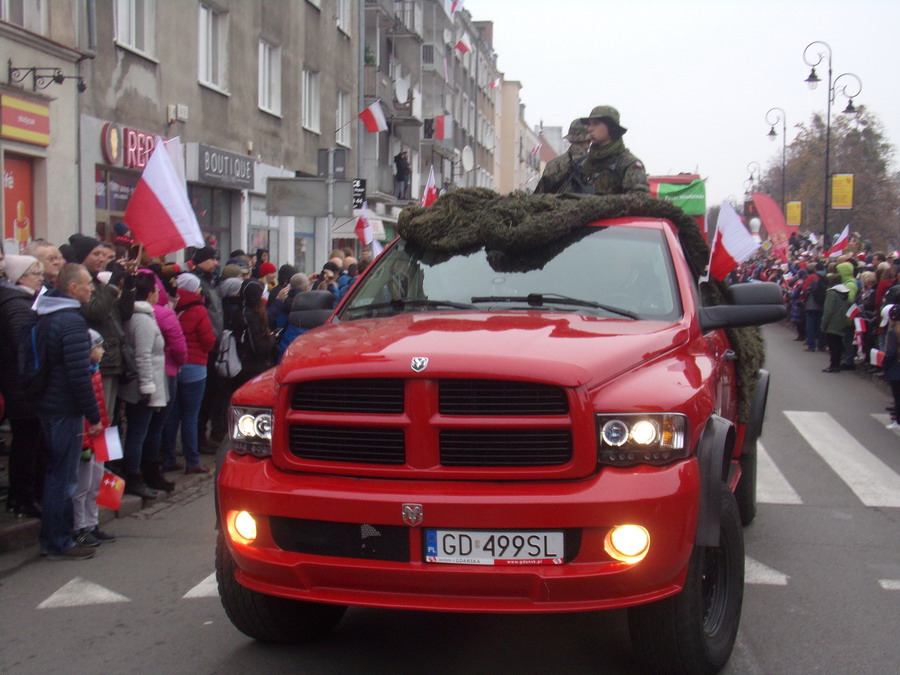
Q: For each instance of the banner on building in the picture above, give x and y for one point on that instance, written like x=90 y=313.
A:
x=842 y=191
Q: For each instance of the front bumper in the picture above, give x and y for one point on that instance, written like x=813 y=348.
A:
x=662 y=499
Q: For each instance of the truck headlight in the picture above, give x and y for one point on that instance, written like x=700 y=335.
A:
x=251 y=431
x=638 y=438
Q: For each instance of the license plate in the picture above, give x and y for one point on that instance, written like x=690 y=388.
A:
x=494 y=547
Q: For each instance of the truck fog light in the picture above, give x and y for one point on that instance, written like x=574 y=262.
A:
x=242 y=527
x=628 y=543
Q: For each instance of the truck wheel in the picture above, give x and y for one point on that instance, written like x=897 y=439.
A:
x=695 y=631
x=269 y=618
x=745 y=492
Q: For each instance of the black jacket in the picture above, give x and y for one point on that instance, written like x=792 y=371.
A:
x=15 y=313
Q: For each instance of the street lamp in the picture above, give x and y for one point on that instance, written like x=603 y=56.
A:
x=753 y=169
x=779 y=117
x=813 y=81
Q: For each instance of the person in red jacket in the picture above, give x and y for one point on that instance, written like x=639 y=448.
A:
x=200 y=339
x=90 y=471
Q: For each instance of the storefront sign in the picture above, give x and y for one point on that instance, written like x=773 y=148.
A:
x=25 y=121
x=130 y=148
x=220 y=167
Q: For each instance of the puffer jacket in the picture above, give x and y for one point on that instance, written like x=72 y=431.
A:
x=198 y=331
x=15 y=312
x=69 y=391
x=169 y=326
x=144 y=335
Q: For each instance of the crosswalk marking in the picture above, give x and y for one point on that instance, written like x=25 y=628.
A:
x=771 y=485
x=757 y=573
x=78 y=593
x=205 y=589
x=890 y=584
x=871 y=479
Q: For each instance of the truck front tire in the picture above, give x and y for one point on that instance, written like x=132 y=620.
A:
x=268 y=618
x=695 y=631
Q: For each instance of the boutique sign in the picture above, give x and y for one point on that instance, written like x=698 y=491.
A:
x=220 y=167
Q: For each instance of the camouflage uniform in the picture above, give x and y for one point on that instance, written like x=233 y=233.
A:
x=611 y=168
x=560 y=171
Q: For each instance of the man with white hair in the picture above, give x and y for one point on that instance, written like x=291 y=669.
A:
x=50 y=257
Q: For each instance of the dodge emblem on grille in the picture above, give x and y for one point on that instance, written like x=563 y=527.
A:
x=419 y=363
x=412 y=514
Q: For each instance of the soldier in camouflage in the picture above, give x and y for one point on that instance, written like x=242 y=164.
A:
x=609 y=166
x=561 y=173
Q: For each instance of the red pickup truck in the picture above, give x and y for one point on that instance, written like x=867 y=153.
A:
x=477 y=432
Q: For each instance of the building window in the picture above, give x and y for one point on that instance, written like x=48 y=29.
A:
x=342 y=15
x=135 y=25
x=269 y=78
x=213 y=47
x=342 y=119
x=29 y=14
x=310 y=103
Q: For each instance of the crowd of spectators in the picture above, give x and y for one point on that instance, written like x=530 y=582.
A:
x=847 y=306
x=132 y=342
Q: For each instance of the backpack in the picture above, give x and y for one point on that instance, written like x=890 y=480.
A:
x=33 y=368
x=228 y=360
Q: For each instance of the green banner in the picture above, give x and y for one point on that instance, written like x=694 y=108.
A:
x=689 y=197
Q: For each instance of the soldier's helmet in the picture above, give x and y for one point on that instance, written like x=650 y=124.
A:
x=610 y=116
x=578 y=132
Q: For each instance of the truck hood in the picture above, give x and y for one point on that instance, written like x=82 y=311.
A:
x=565 y=349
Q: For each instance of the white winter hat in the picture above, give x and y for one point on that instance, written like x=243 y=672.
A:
x=17 y=265
x=187 y=281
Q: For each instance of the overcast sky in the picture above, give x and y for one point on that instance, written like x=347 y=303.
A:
x=693 y=79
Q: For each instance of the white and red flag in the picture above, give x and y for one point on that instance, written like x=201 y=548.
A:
x=443 y=126
x=455 y=6
x=854 y=311
x=536 y=150
x=464 y=46
x=373 y=118
x=733 y=243
x=159 y=213
x=840 y=244
x=112 y=487
x=364 y=230
x=106 y=445
x=496 y=83
x=430 y=195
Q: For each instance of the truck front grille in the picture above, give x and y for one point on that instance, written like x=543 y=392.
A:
x=498 y=397
x=529 y=447
x=341 y=540
x=348 y=444
x=384 y=396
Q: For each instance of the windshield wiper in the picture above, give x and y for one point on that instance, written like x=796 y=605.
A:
x=401 y=304
x=542 y=299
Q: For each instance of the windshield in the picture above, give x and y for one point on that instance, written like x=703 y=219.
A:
x=614 y=271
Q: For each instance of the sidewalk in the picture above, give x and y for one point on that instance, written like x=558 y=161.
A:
x=17 y=533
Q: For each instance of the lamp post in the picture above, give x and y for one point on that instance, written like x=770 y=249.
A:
x=779 y=117
x=813 y=80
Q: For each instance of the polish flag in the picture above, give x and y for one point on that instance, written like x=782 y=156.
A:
x=363 y=227
x=495 y=83
x=854 y=311
x=536 y=150
x=733 y=243
x=112 y=487
x=464 y=46
x=159 y=213
x=840 y=244
x=443 y=126
x=455 y=6
x=876 y=357
x=373 y=118
x=107 y=445
x=430 y=195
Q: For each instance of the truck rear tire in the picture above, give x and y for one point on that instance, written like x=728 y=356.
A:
x=269 y=618
x=695 y=631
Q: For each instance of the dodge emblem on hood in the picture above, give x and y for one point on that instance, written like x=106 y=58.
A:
x=419 y=363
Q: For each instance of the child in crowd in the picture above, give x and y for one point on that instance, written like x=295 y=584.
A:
x=90 y=471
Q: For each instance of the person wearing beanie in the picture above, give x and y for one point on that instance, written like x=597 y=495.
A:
x=267 y=278
x=327 y=280
x=234 y=271
x=24 y=271
x=88 y=251
x=206 y=262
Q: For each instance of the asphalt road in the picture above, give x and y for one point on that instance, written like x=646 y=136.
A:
x=822 y=594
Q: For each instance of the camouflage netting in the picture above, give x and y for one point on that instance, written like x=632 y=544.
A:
x=522 y=231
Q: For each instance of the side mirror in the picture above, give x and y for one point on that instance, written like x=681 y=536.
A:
x=751 y=304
